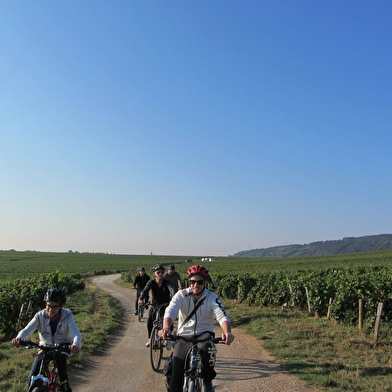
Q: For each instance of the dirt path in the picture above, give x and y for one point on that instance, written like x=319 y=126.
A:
x=242 y=366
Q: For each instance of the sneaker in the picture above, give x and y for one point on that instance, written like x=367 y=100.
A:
x=65 y=387
x=208 y=387
x=169 y=344
x=148 y=343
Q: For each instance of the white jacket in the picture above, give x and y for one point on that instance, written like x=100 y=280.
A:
x=67 y=330
x=183 y=303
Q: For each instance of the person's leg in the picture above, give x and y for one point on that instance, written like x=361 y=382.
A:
x=150 y=320
x=136 y=302
x=179 y=353
x=61 y=363
x=35 y=367
x=208 y=357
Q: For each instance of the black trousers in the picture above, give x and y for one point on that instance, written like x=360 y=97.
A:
x=208 y=355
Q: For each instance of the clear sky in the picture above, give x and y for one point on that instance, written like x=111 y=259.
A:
x=193 y=127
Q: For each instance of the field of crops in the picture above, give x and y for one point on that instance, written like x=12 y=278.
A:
x=332 y=284
x=19 y=265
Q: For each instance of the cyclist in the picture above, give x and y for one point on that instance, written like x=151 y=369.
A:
x=201 y=325
x=55 y=324
x=162 y=291
x=139 y=283
x=174 y=277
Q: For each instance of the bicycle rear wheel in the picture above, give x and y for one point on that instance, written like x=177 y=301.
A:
x=156 y=349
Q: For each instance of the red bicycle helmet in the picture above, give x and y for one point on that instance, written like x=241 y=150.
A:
x=197 y=270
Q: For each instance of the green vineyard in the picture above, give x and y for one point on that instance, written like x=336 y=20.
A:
x=324 y=285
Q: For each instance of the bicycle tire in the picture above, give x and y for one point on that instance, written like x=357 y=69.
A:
x=140 y=315
x=156 y=349
x=36 y=389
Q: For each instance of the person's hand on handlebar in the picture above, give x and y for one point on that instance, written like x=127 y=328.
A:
x=74 y=349
x=16 y=342
x=164 y=333
x=227 y=337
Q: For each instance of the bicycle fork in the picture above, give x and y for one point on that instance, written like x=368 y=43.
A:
x=192 y=377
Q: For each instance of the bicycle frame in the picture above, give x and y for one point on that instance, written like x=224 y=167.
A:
x=47 y=377
x=193 y=380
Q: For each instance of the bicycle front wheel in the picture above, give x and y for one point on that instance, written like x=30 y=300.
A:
x=140 y=314
x=156 y=349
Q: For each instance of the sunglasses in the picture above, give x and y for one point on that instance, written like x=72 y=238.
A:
x=159 y=272
x=199 y=282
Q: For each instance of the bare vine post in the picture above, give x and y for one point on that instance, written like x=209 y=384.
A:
x=360 y=316
x=378 y=321
x=308 y=299
x=329 y=309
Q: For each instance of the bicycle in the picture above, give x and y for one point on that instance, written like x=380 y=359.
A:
x=193 y=380
x=156 y=343
x=140 y=311
x=47 y=379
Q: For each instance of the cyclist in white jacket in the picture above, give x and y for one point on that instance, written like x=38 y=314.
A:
x=201 y=324
x=55 y=324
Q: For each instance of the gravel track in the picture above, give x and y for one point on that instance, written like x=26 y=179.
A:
x=125 y=366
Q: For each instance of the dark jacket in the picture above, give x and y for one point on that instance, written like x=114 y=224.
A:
x=160 y=295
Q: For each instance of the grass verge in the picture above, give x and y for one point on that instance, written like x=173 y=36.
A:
x=321 y=352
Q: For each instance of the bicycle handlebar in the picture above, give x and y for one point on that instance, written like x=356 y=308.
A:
x=63 y=347
x=195 y=339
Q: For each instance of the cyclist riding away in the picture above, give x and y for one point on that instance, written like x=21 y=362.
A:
x=139 y=284
x=55 y=325
x=201 y=324
x=162 y=291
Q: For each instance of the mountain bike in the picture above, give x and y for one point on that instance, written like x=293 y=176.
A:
x=47 y=379
x=193 y=380
x=156 y=343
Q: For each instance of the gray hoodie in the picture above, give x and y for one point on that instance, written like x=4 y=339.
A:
x=67 y=330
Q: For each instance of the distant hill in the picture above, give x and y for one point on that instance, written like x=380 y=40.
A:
x=368 y=243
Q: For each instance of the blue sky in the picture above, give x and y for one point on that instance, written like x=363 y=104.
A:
x=193 y=128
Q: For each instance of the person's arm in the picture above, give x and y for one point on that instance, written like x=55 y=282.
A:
x=171 y=288
x=77 y=336
x=166 y=329
x=227 y=336
x=179 y=282
x=27 y=331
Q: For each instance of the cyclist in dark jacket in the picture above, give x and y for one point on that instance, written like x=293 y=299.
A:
x=139 y=284
x=162 y=291
x=174 y=277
